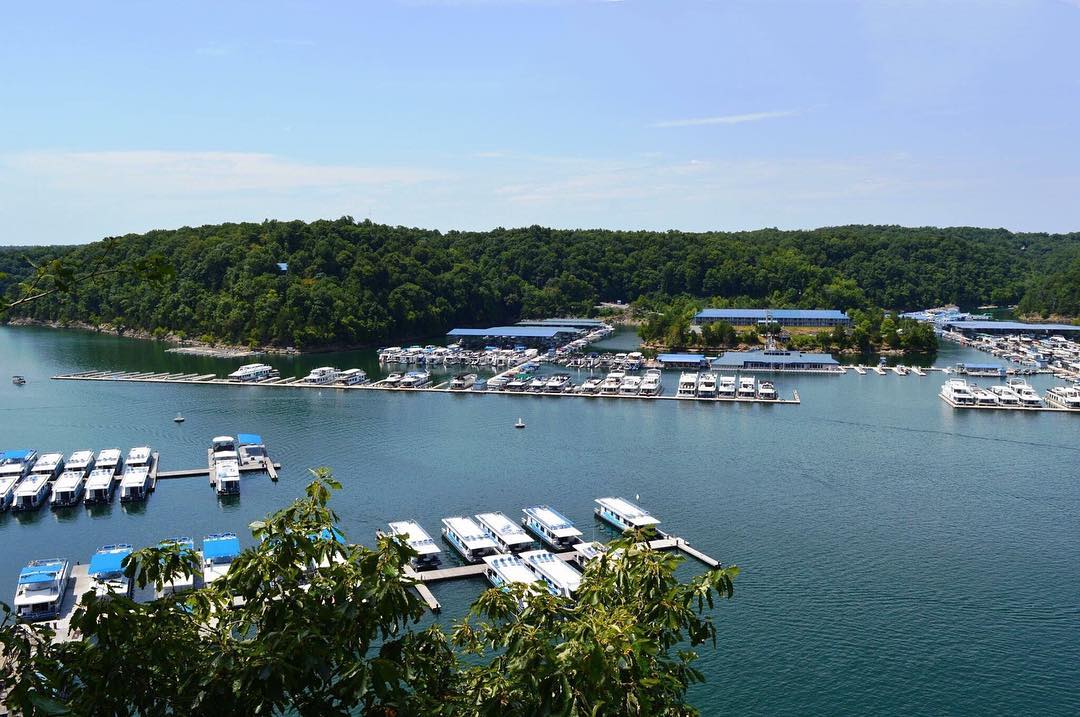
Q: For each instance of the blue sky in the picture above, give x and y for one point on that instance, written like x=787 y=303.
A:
x=472 y=114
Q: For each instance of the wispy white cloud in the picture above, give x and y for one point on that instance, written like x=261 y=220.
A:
x=726 y=119
x=175 y=172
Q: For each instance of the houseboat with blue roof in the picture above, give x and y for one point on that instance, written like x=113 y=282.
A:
x=218 y=553
x=551 y=526
x=510 y=537
x=623 y=514
x=181 y=582
x=560 y=578
x=100 y=486
x=468 y=538
x=428 y=553
x=107 y=571
x=41 y=588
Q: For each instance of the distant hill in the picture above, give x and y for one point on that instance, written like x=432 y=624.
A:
x=357 y=283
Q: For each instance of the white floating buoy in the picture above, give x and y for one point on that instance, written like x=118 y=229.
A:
x=520 y=423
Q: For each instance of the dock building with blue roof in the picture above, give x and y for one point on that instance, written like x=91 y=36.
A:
x=776 y=360
x=821 y=318
x=506 y=336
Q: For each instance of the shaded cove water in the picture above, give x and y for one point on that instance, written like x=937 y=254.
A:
x=899 y=557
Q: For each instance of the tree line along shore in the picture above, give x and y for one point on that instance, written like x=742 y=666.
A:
x=346 y=283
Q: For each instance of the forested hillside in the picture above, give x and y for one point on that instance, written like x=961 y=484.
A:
x=358 y=283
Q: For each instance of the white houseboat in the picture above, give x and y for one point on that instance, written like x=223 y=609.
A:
x=706 y=387
x=134 y=484
x=1064 y=397
x=1023 y=390
x=766 y=391
x=32 y=492
x=630 y=386
x=611 y=383
x=509 y=536
x=218 y=553
x=321 y=376
x=428 y=553
x=726 y=388
x=983 y=397
x=392 y=380
x=957 y=392
x=551 y=526
x=352 y=377
x=8 y=484
x=497 y=383
x=100 y=486
x=463 y=382
x=68 y=489
x=111 y=459
x=16 y=464
x=557 y=383
x=652 y=383
x=556 y=573
x=623 y=514
x=107 y=571
x=468 y=538
x=226 y=478
x=505 y=570
x=584 y=552
x=687 y=388
x=747 y=387
x=140 y=457
x=40 y=592
x=82 y=461
x=49 y=464
x=592 y=384
x=181 y=582
x=223 y=448
x=253 y=372
x=415 y=379
x=1005 y=396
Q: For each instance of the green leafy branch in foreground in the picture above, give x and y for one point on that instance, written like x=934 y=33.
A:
x=305 y=624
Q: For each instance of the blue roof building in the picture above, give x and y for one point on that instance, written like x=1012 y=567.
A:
x=531 y=336
x=1011 y=327
x=683 y=360
x=776 y=360
x=824 y=318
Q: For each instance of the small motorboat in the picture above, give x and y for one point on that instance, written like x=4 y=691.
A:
x=179 y=418
x=18 y=380
x=520 y=423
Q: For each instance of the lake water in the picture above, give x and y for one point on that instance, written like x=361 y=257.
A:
x=899 y=557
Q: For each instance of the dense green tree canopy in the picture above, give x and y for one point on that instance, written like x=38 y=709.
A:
x=362 y=283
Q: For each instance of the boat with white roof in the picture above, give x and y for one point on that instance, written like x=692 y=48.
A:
x=82 y=461
x=107 y=571
x=428 y=552
x=551 y=526
x=726 y=388
x=223 y=448
x=557 y=383
x=253 y=372
x=706 y=387
x=556 y=573
x=1005 y=396
x=468 y=538
x=766 y=391
x=415 y=379
x=100 y=486
x=49 y=464
x=592 y=384
x=14 y=466
x=68 y=489
x=623 y=514
x=134 y=484
x=687 y=387
x=392 y=380
x=32 y=492
x=611 y=383
x=321 y=376
x=1064 y=397
x=183 y=581
x=1023 y=390
x=40 y=591
x=503 y=571
x=509 y=536
x=652 y=383
x=630 y=386
x=226 y=478
x=463 y=382
x=497 y=383
x=956 y=391
x=138 y=457
x=747 y=387
x=111 y=459
x=983 y=397
x=218 y=553
x=352 y=377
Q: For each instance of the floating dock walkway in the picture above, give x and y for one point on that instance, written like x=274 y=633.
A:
x=421 y=578
x=1031 y=409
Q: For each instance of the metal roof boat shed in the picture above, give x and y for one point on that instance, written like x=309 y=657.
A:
x=683 y=360
x=773 y=360
x=532 y=336
x=1011 y=327
x=784 y=317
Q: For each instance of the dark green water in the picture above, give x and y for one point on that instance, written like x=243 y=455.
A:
x=899 y=557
